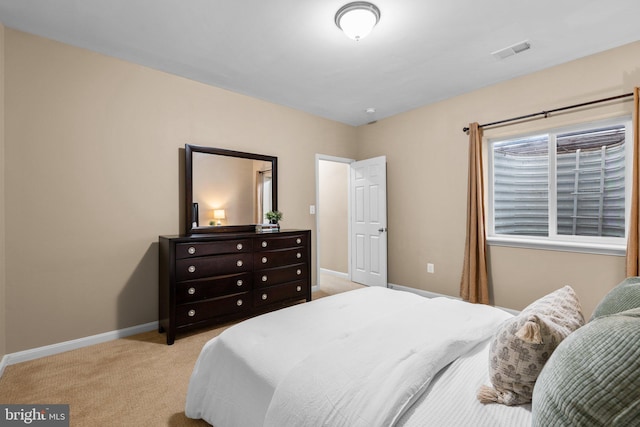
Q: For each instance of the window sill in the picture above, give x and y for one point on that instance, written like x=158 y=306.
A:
x=550 y=245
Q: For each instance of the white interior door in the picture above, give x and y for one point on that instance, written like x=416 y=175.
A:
x=368 y=185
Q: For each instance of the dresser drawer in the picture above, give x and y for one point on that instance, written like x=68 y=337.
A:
x=200 y=311
x=197 y=290
x=279 y=293
x=268 y=243
x=218 y=265
x=275 y=276
x=190 y=250
x=279 y=258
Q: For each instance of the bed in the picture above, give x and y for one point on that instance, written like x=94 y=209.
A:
x=369 y=357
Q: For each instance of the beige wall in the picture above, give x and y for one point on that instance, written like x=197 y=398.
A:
x=3 y=304
x=333 y=211
x=427 y=181
x=93 y=174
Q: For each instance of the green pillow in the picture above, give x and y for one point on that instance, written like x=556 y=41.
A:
x=593 y=376
x=623 y=297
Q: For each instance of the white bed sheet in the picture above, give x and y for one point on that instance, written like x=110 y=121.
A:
x=238 y=372
x=451 y=401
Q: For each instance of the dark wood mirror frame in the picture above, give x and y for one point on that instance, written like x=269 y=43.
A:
x=189 y=151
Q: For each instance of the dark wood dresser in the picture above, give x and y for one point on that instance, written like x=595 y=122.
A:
x=209 y=279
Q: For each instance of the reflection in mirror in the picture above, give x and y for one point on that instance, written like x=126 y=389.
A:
x=237 y=190
x=226 y=189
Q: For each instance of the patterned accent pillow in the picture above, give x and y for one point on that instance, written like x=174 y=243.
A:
x=523 y=344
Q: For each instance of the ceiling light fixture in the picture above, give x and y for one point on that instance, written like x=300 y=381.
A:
x=357 y=19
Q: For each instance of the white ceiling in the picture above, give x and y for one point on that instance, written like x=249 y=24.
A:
x=291 y=53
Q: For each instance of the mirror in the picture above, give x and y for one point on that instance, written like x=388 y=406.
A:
x=228 y=190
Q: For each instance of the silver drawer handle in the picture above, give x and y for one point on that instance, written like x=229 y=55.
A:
x=298 y=240
x=264 y=259
x=191 y=269
x=264 y=278
x=239 y=283
x=191 y=250
x=298 y=255
x=264 y=244
x=298 y=272
x=191 y=313
x=264 y=296
x=239 y=302
x=191 y=291
x=239 y=246
x=239 y=263
x=299 y=288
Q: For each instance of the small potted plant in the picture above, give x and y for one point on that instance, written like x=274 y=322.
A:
x=273 y=216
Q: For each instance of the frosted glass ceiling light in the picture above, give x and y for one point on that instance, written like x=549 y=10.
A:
x=357 y=19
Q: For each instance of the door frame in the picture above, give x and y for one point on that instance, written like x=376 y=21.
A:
x=335 y=159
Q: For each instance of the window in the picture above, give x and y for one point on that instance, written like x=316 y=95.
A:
x=564 y=189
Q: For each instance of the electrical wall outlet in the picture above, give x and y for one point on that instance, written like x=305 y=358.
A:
x=430 y=268
x=312 y=209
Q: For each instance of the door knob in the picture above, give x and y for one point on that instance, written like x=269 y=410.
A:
x=382 y=230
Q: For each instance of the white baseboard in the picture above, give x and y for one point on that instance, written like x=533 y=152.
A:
x=435 y=295
x=420 y=292
x=335 y=273
x=50 y=350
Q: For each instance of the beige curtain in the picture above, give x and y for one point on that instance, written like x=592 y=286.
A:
x=633 y=261
x=474 y=285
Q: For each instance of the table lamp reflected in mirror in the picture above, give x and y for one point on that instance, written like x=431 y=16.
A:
x=218 y=214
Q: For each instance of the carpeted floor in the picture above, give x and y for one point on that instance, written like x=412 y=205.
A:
x=135 y=381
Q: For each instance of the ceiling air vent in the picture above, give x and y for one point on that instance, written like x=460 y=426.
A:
x=511 y=50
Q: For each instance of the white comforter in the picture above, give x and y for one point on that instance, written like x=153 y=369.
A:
x=355 y=359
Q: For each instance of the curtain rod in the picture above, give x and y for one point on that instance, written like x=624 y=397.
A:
x=555 y=110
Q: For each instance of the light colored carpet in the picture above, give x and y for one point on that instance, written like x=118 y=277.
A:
x=135 y=381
